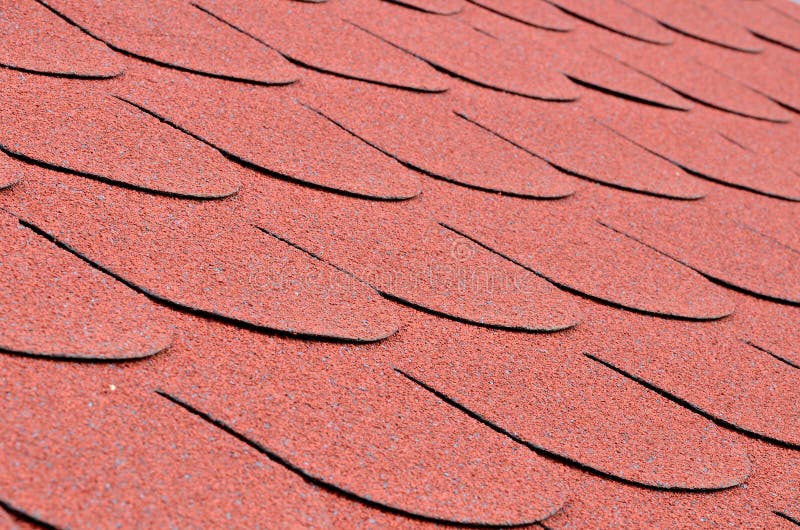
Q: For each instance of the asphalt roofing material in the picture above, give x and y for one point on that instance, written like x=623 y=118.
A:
x=400 y=264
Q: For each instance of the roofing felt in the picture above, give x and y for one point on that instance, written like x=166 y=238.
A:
x=400 y=264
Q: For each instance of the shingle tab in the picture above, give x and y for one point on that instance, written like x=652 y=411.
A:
x=176 y=34
x=37 y=40
x=86 y=314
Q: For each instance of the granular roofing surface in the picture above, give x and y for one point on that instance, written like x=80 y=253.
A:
x=400 y=264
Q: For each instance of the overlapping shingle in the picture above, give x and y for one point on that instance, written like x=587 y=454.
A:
x=577 y=143
x=769 y=327
x=600 y=503
x=703 y=367
x=174 y=33
x=691 y=78
x=724 y=251
x=152 y=463
x=37 y=40
x=425 y=133
x=761 y=20
x=11 y=171
x=585 y=257
x=461 y=51
x=323 y=39
x=694 y=145
x=336 y=414
x=698 y=21
x=86 y=314
x=575 y=55
x=195 y=256
x=408 y=256
x=541 y=391
x=270 y=131
x=83 y=130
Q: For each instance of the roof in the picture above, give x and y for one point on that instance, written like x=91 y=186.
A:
x=400 y=264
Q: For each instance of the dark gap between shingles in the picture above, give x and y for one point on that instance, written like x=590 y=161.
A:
x=771 y=354
x=515 y=19
x=24 y=516
x=787 y=517
x=573 y=291
x=557 y=457
x=712 y=279
x=187 y=309
x=156 y=61
x=692 y=408
x=255 y=167
x=605 y=27
x=63 y=75
x=83 y=360
x=106 y=180
x=302 y=64
x=622 y=95
x=402 y=301
x=714 y=106
x=425 y=172
x=574 y=173
x=423 y=10
x=315 y=481
x=456 y=75
x=769 y=39
x=696 y=173
x=703 y=39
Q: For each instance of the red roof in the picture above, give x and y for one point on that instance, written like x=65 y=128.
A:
x=407 y=263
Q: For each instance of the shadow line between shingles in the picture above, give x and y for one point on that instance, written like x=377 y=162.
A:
x=258 y=168
x=303 y=64
x=581 y=294
x=189 y=309
x=414 y=305
x=787 y=517
x=318 y=482
x=517 y=19
x=691 y=407
x=25 y=516
x=696 y=173
x=710 y=278
x=460 y=77
x=771 y=354
x=437 y=176
x=623 y=95
x=110 y=181
x=605 y=27
x=576 y=174
x=557 y=457
x=64 y=75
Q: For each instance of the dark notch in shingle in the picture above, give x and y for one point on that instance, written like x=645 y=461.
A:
x=330 y=48
x=430 y=140
x=81 y=130
x=443 y=43
x=616 y=17
x=37 y=41
x=578 y=145
x=129 y=30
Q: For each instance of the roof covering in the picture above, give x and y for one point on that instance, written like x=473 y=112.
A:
x=400 y=264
